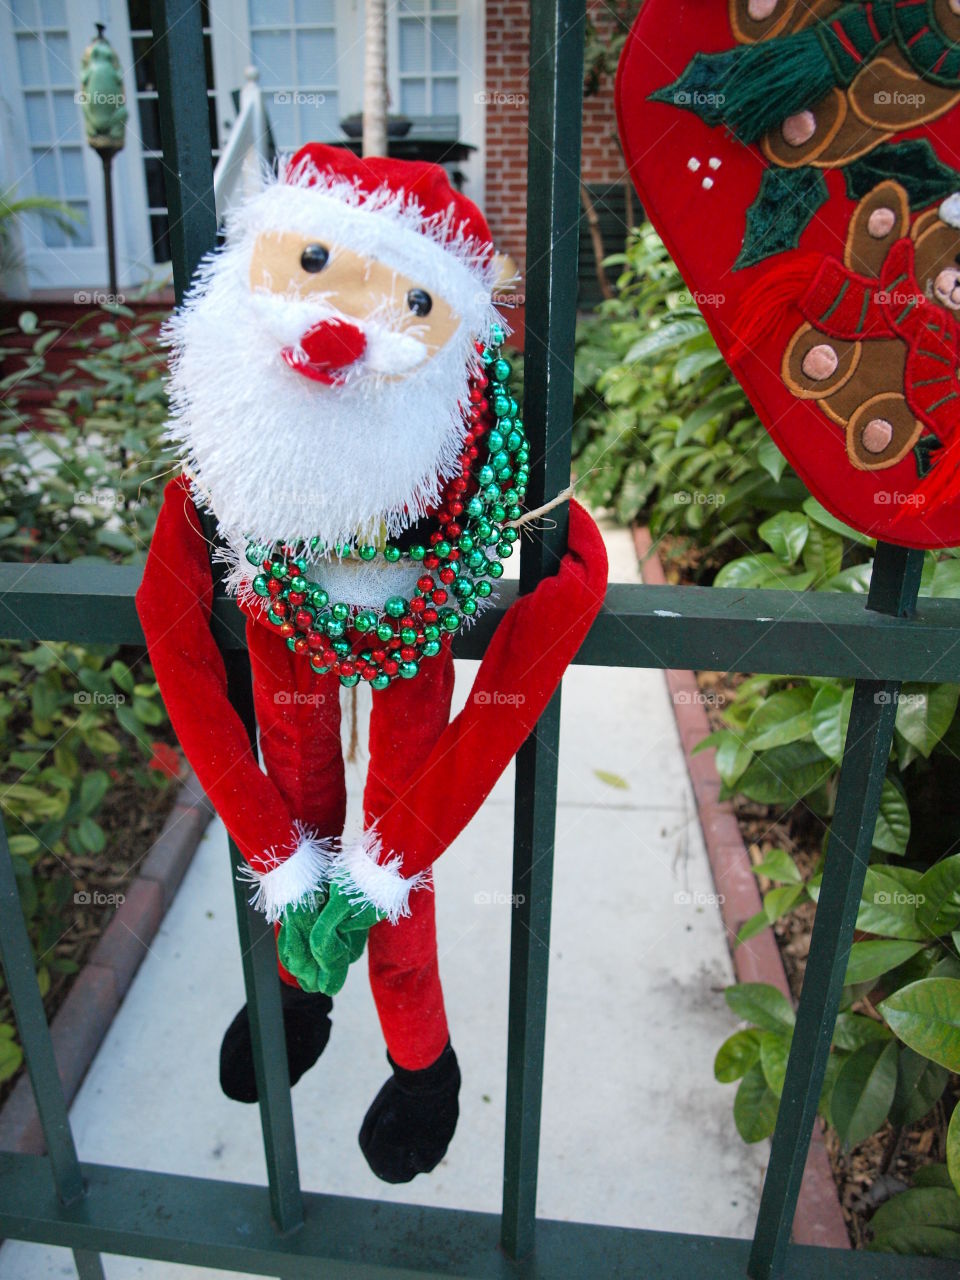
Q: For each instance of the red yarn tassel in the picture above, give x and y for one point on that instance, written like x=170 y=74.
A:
x=767 y=303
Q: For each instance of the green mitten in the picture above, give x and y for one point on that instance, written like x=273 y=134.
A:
x=338 y=938
x=293 y=946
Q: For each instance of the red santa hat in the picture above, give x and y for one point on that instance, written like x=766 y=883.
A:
x=405 y=213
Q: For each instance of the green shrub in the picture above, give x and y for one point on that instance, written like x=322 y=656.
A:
x=74 y=718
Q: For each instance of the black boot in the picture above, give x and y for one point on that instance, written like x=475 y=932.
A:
x=306 y=1021
x=412 y=1119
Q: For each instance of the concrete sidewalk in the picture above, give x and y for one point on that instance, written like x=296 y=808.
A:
x=635 y=1130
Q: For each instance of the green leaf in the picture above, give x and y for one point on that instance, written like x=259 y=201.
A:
x=755 y=1106
x=777 y=902
x=737 y=1055
x=27 y=321
x=151 y=713
x=939 y=889
x=931 y=1206
x=785 y=774
x=823 y=553
x=778 y=865
x=953 y=1149
x=913 y=1240
x=864 y=1091
x=770 y=458
x=612 y=779
x=751 y=927
x=821 y=516
x=784 y=204
x=122 y=676
x=830 y=718
x=11 y=1056
x=785 y=534
x=932 y=1175
x=868 y=960
x=94 y=787
x=925 y=713
x=782 y=718
x=913 y=163
x=853 y=1030
x=774 y=1052
x=761 y=570
x=926 y=1016
x=892 y=831
x=761 y=1004
x=91 y=835
x=889 y=904
x=920 y=1083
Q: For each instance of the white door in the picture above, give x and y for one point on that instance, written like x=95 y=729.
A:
x=44 y=152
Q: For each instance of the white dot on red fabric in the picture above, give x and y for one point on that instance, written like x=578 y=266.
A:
x=693 y=164
x=714 y=162
x=707 y=184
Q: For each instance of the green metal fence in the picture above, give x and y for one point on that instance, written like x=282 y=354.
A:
x=281 y=1230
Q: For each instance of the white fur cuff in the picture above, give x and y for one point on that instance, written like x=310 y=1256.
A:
x=294 y=880
x=369 y=882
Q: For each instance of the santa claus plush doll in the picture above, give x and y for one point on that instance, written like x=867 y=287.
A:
x=344 y=413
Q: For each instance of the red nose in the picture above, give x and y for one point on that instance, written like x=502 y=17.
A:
x=326 y=350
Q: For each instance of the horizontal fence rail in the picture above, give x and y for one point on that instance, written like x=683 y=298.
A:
x=213 y=1223
x=879 y=641
x=700 y=628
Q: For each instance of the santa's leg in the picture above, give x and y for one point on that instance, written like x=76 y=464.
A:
x=298 y=716
x=410 y=1123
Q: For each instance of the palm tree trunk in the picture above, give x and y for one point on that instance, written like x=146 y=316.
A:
x=375 y=79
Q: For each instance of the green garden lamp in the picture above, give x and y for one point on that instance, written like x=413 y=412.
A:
x=103 y=103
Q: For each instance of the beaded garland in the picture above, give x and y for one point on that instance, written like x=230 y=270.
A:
x=465 y=552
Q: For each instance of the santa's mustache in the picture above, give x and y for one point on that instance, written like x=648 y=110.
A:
x=388 y=351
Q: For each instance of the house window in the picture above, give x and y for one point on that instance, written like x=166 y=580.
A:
x=145 y=118
x=294 y=47
x=428 y=58
x=48 y=73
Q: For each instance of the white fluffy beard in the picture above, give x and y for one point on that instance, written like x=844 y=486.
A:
x=278 y=457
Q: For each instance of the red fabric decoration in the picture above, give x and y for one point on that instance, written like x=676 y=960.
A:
x=770 y=229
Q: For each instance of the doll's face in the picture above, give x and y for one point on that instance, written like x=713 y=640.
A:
x=381 y=320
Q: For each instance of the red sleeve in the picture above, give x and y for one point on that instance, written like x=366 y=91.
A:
x=173 y=603
x=520 y=670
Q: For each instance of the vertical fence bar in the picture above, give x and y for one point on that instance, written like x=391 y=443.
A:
x=553 y=222
x=893 y=589
x=16 y=955
x=188 y=179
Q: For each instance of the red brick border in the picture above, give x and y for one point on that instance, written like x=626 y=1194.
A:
x=819 y=1218
x=85 y=1016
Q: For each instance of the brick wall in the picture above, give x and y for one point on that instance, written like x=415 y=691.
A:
x=506 y=114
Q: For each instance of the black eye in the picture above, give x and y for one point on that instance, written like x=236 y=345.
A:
x=419 y=302
x=314 y=257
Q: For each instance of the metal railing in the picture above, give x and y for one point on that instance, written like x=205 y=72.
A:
x=282 y=1230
